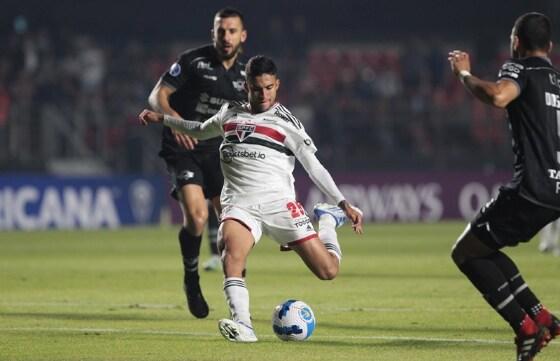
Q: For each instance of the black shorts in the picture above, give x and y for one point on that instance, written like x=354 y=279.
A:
x=510 y=219
x=202 y=168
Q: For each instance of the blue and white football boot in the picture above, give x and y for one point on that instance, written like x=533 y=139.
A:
x=336 y=212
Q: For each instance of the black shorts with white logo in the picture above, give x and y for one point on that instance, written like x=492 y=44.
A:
x=510 y=219
x=202 y=168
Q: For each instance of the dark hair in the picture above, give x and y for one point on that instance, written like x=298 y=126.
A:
x=230 y=12
x=533 y=31
x=259 y=65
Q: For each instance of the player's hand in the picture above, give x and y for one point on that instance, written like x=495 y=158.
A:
x=354 y=214
x=459 y=60
x=184 y=140
x=148 y=116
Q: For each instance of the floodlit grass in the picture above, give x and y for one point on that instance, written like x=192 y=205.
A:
x=116 y=295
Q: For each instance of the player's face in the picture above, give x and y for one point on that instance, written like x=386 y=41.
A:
x=228 y=34
x=262 y=91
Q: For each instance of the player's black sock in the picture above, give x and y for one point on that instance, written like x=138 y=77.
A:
x=213 y=225
x=190 y=249
x=487 y=277
x=523 y=294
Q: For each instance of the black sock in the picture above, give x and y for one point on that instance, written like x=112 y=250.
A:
x=520 y=290
x=190 y=249
x=487 y=277
x=213 y=225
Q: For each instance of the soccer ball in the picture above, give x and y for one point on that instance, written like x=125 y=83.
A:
x=293 y=320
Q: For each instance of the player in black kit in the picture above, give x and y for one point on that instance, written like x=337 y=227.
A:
x=195 y=87
x=528 y=87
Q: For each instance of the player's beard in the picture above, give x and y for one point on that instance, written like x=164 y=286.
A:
x=233 y=54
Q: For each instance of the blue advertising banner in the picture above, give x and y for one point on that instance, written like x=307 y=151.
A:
x=38 y=202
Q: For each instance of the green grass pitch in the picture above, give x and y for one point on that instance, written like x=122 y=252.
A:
x=116 y=295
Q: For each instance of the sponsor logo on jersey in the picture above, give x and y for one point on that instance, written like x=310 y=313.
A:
x=554 y=174
x=228 y=153
x=208 y=105
x=512 y=67
x=511 y=70
x=239 y=85
x=304 y=222
x=244 y=130
x=204 y=65
x=210 y=77
x=175 y=69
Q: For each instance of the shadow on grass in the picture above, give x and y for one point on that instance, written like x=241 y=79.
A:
x=431 y=329
x=401 y=276
x=407 y=344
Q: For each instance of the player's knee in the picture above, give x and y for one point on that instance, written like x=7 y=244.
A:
x=468 y=247
x=458 y=256
x=328 y=272
x=196 y=221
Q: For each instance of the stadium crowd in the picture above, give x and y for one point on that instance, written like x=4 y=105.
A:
x=375 y=106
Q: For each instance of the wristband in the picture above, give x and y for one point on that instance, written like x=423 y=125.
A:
x=463 y=74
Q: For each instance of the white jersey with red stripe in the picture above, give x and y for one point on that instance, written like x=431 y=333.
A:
x=258 y=153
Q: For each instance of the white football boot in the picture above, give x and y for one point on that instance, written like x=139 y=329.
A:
x=236 y=331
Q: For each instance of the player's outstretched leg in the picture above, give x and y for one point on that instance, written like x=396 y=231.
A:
x=322 y=254
x=329 y=217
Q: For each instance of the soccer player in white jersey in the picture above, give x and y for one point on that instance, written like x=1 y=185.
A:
x=261 y=140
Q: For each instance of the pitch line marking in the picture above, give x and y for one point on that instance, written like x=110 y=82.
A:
x=179 y=306
x=267 y=336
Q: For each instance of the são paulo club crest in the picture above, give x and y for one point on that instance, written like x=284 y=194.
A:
x=244 y=130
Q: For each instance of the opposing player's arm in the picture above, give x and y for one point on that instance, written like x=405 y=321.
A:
x=498 y=94
x=159 y=98
x=323 y=180
x=209 y=129
x=159 y=101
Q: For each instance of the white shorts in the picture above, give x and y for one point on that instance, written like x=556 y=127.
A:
x=285 y=221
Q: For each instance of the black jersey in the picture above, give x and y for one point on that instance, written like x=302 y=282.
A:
x=202 y=86
x=534 y=119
